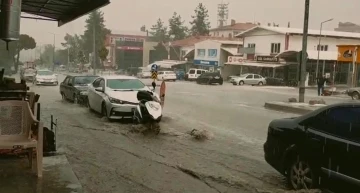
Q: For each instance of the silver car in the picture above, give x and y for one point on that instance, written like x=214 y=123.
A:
x=354 y=93
x=115 y=96
x=250 y=79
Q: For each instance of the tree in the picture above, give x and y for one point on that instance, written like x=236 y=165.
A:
x=103 y=53
x=160 y=52
x=159 y=31
x=95 y=20
x=25 y=43
x=200 y=23
x=177 y=28
x=46 y=56
x=74 y=44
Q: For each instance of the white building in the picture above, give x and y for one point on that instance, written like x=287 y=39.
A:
x=281 y=45
x=214 y=53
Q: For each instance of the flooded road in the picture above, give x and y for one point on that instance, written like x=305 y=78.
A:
x=108 y=158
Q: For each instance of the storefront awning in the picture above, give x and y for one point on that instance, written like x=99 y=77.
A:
x=232 y=51
x=312 y=54
x=60 y=10
x=257 y=64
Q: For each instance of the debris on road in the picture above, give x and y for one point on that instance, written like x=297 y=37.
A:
x=201 y=134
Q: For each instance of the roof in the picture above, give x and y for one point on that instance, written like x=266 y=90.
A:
x=60 y=10
x=236 y=26
x=190 y=41
x=312 y=54
x=131 y=33
x=230 y=42
x=298 y=31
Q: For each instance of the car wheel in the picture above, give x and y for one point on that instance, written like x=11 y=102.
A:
x=63 y=96
x=260 y=83
x=241 y=83
x=300 y=174
x=103 y=110
x=221 y=83
x=355 y=96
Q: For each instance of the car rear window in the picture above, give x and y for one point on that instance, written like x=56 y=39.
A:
x=125 y=84
x=45 y=73
x=80 y=80
x=192 y=72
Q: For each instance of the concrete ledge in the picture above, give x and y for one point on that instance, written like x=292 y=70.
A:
x=296 y=108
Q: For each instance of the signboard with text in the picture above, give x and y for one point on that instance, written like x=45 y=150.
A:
x=347 y=53
x=235 y=59
x=129 y=48
x=206 y=62
x=267 y=59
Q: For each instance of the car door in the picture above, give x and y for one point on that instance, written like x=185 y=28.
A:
x=64 y=85
x=249 y=79
x=99 y=96
x=92 y=92
x=257 y=79
x=69 y=91
x=160 y=75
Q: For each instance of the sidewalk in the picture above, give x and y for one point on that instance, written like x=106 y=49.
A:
x=58 y=177
x=297 y=108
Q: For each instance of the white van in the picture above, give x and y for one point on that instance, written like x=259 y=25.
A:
x=194 y=73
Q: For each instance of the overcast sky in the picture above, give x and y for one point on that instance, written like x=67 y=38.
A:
x=130 y=15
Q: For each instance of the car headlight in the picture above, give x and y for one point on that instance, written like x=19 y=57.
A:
x=118 y=101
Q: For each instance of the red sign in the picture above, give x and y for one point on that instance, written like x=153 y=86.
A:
x=235 y=59
x=129 y=48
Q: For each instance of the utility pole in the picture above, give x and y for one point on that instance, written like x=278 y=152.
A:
x=68 y=57
x=304 y=53
x=54 y=53
x=94 y=45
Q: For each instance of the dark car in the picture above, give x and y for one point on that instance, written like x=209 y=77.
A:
x=321 y=148
x=210 y=78
x=275 y=81
x=75 y=88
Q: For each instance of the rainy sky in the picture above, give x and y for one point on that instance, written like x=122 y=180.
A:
x=130 y=15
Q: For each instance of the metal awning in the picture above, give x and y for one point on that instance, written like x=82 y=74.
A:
x=62 y=11
x=256 y=64
x=233 y=51
x=312 y=54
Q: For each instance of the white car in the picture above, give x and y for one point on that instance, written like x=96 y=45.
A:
x=194 y=73
x=166 y=75
x=250 y=79
x=46 y=77
x=115 y=97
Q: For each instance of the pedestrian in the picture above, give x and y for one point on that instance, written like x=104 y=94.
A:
x=320 y=84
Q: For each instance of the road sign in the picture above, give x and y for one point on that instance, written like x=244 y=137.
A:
x=154 y=75
x=154 y=67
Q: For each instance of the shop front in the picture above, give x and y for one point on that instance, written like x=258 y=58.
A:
x=349 y=60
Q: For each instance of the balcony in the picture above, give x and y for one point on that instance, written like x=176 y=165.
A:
x=246 y=50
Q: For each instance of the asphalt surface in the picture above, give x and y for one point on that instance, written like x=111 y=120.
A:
x=108 y=158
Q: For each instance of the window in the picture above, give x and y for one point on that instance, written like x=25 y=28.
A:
x=84 y=80
x=275 y=48
x=45 y=73
x=201 y=52
x=130 y=39
x=251 y=45
x=125 y=84
x=212 y=53
x=345 y=122
x=199 y=72
x=66 y=81
x=96 y=83
x=102 y=83
x=112 y=40
x=257 y=76
x=192 y=72
x=230 y=35
x=322 y=47
x=161 y=73
x=249 y=76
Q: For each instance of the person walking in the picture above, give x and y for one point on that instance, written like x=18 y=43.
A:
x=320 y=84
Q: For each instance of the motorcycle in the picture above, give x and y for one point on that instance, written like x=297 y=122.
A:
x=149 y=111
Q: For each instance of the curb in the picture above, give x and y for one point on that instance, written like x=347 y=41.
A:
x=287 y=109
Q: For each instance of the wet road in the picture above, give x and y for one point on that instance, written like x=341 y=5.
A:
x=107 y=158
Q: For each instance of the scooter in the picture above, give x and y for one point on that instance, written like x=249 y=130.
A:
x=149 y=111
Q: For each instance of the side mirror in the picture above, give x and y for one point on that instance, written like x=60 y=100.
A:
x=99 y=89
x=70 y=84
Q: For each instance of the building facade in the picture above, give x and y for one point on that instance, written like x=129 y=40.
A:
x=230 y=31
x=285 y=43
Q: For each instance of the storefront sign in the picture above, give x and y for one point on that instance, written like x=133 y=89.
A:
x=206 y=62
x=267 y=59
x=235 y=59
x=346 y=53
x=129 y=48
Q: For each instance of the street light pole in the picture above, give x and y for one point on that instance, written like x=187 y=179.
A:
x=94 y=46
x=53 y=66
x=319 y=48
x=304 y=53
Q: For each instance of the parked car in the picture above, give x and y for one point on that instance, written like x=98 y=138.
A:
x=28 y=74
x=180 y=74
x=229 y=78
x=144 y=74
x=250 y=79
x=194 y=73
x=75 y=88
x=323 y=144
x=354 y=93
x=115 y=96
x=210 y=78
x=46 y=77
x=166 y=75
x=275 y=81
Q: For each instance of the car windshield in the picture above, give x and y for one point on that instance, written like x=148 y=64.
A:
x=125 y=84
x=82 y=80
x=45 y=73
x=243 y=75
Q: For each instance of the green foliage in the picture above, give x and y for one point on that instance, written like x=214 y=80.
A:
x=103 y=53
x=159 y=31
x=200 y=23
x=160 y=52
x=46 y=56
x=74 y=44
x=177 y=28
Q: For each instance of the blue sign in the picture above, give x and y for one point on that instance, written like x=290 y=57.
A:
x=206 y=62
x=154 y=67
